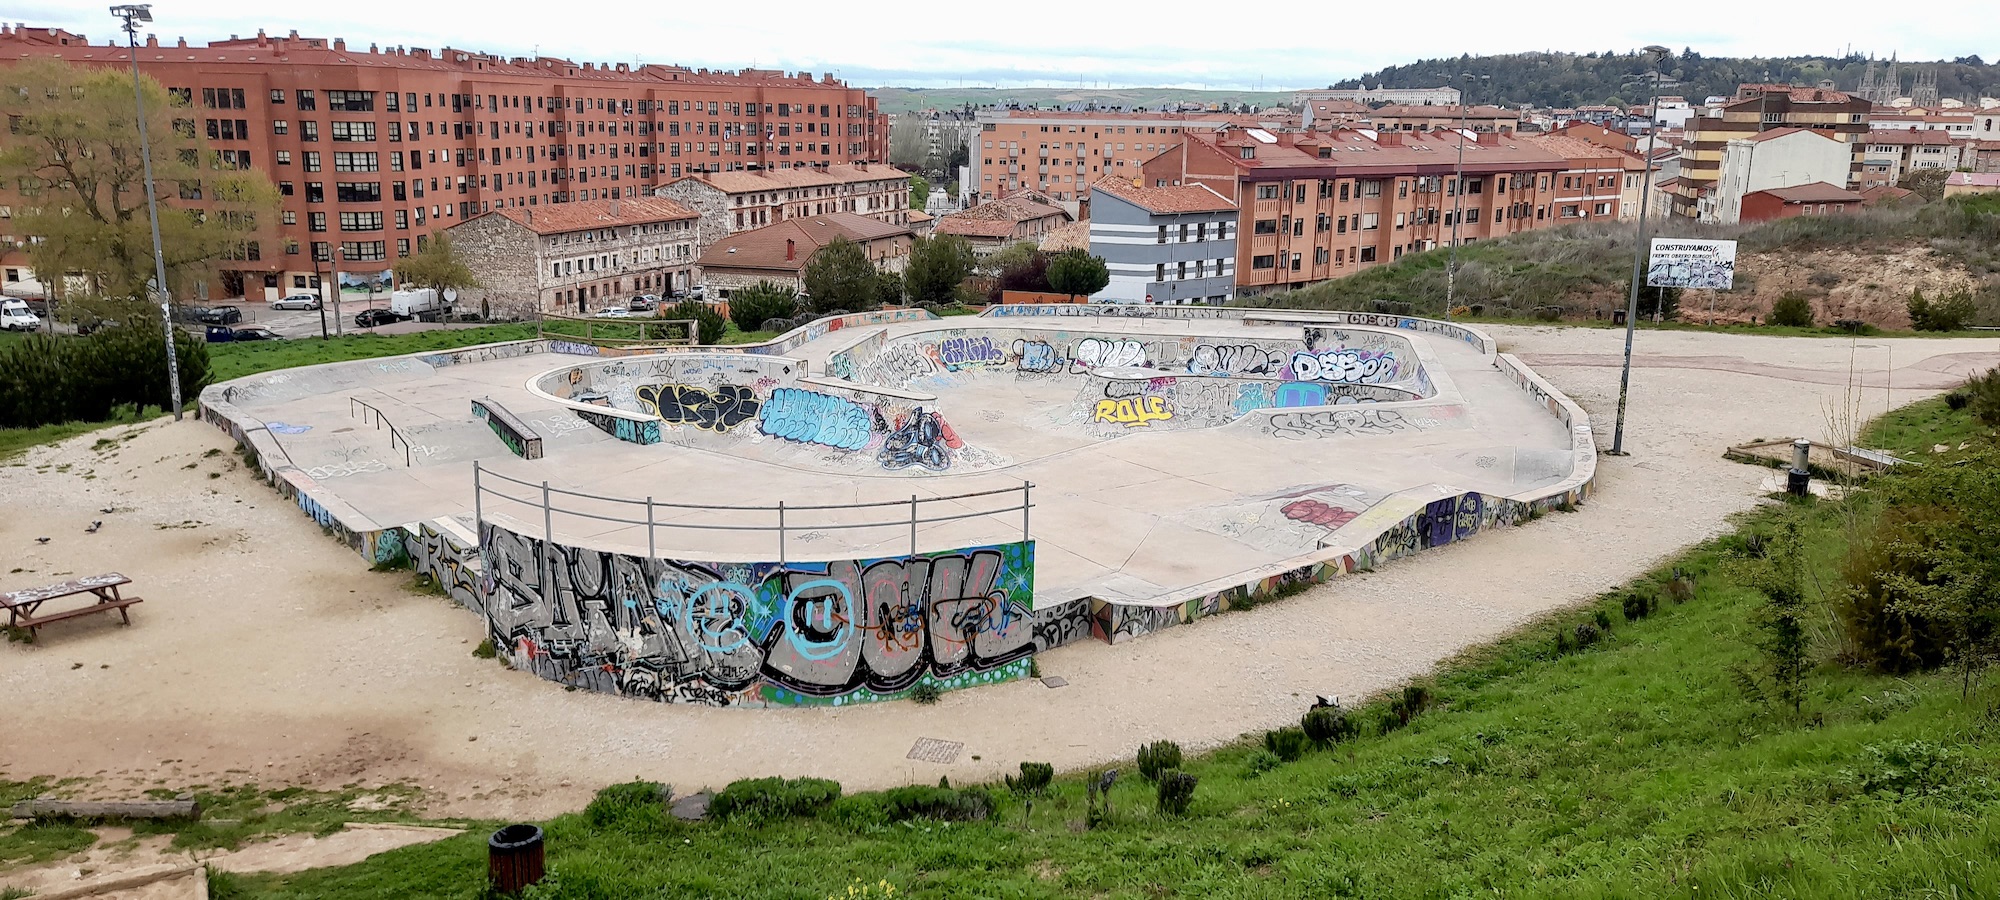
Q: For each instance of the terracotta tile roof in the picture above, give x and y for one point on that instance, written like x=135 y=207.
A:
x=1816 y=192
x=1069 y=236
x=765 y=248
x=918 y=216
x=1884 y=193
x=1910 y=137
x=1781 y=132
x=1574 y=147
x=998 y=218
x=1186 y=198
x=583 y=215
x=802 y=177
x=1439 y=111
x=1973 y=179
x=1355 y=151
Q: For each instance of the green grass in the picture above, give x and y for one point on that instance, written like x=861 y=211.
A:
x=26 y=845
x=231 y=360
x=1637 y=768
x=734 y=335
x=1912 y=431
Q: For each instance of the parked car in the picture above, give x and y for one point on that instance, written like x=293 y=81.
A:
x=254 y=333
x=297 y=301
x=219 y=315
x=369 y=318
x=614 y=312
x=644 y=303
x=14 y=316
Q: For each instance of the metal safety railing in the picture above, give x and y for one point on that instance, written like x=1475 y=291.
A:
x=396 y=437
x=783 y=518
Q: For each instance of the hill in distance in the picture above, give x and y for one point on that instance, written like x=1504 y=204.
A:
x=901 y=100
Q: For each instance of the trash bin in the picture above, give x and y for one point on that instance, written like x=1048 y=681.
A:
x=514 y=858
x=1617 y=317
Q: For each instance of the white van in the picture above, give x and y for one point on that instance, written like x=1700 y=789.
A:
x=15 y=316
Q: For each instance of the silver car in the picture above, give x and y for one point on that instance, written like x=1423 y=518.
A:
x=297 y=301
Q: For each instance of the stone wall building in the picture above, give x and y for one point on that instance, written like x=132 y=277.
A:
x=578 y=257
x=730 y=202
x=996 y=223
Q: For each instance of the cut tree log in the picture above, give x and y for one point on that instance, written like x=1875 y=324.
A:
x=107 y=809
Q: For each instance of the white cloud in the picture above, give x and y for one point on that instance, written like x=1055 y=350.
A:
x=1124 y=44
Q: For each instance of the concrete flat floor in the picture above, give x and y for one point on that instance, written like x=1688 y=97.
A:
x=1133 y=518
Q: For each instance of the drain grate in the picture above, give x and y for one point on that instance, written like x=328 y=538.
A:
x=937 y=751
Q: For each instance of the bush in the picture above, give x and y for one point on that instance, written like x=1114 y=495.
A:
x=1328 y=725
x=1956 y=400
x=941 y=804
x=1287 y=744
x=1637 y=605
x=633 y=806
x=753 y=307
x=1175 y=792
x=1982 y=396
x=1158 y=757
x=1947 y=313
x=925 y=693
x=773 y=798
x=1035 y=778
x=1414 y=700
x=1261 y=761
x=47 y=379
x=1586 y=635
x=1792 y=310
x=1825 y=278
x=709 y=323
x=1905 y=768
x=485 y=650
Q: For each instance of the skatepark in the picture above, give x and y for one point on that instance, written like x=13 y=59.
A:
x=882 y=500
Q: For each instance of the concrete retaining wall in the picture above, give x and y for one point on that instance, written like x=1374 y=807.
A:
x=759 y=633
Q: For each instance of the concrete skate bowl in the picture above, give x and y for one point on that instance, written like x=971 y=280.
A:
x=689 y=526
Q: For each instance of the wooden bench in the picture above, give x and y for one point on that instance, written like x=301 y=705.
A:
x=23 y=606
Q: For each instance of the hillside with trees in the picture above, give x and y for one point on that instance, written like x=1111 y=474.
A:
x=1618 y=76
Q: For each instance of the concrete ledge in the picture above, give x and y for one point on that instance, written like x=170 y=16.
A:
x=513 y=432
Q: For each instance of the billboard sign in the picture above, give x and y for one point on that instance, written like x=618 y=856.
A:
x=1689 y=263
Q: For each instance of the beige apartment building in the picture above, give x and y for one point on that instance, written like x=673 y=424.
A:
x=731 y=202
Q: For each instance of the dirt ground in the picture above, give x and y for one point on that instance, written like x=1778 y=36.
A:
x=120 y=857
x=266 y=652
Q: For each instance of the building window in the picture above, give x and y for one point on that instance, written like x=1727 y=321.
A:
x=354 y=162
x=402 y=219
x=364 y=251
x=312 y=160
x=350 y=101
x=354 y=131
x=277 y=95
x=1159 y=271
x=308 y=130
x=307 y=101
x=361 y=221
x=402 y=244
x=1267 y=261
x=290 y=218
x=1367 y=255
x=358 y=191
x=315 y=192
x=1266 y=226
x=1371 y=188
x=1370 y=221
x=284 y=157
x=316 y=221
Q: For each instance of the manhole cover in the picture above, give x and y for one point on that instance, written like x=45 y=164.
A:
x=1054 y=681
x=934 y=750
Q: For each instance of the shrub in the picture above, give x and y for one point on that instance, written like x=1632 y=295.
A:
x=752 y=307
x=925 y=693
x=1287 y=744
x=1586 y=635
x=1261 y=761
x=1414 y=700
x=1327 y=725
x=942 y=804
x=1825 y=278
x=1175 y=792
x=1157 y=757
x=1637 y=605
x=634 y=805
x=1035 y=778
x=1603 y=620
x=1905 y=768
x=1793 y=310
x=1946 y=313
x=773 y=798
x=1982 y=396
x=485 y=650
x=47 y=379
x=1956 y=400
x=709 y=324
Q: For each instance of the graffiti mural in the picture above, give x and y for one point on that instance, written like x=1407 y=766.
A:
x=920 y=439
x=718 y=409
x=964 y=352
x=1099 y=353
x=1235 y=359
x=451 y=565
x=1137 y=412
x=1338 y=423
x=726 y=634
x=809 y=417
x=1346 y=366
x=624 y=428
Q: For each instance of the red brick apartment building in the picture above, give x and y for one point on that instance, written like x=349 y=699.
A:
x=375 y=149
x=1318 y=206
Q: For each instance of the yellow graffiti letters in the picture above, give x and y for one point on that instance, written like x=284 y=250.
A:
x=1134 y=412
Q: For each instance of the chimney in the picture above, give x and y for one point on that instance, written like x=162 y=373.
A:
x=1489 y=138
x=152 y=40
x=1389 y=139
x=340 y=44
x=791 y=250
x=531 y=217
x=295 y=34
x=614 y=207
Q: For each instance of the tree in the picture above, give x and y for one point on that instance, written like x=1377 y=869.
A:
x=888 y=288
x=1075 y=271
x=1018 y=266
x=751 y=307
x=909 y=148
x=1928 y=183
x=920 y=190
x=74 y=160
x=937 y=266
x=840 y=277
x=437 y=266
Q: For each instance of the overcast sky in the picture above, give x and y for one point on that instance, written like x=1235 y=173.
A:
x=939 y=44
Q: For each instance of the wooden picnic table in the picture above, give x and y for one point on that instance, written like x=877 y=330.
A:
x=23 y=606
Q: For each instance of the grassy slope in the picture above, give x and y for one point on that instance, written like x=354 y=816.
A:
x=1638 y=768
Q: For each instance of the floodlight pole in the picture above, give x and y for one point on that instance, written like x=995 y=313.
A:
x=133 y=14
x=1638 y=251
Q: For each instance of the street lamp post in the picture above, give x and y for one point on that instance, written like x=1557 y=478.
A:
x=1457 y=201
x=133 y=14
x=1655 y=53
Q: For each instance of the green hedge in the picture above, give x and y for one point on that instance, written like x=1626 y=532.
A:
x=50 y=379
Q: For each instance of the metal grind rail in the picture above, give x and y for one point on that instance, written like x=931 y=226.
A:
x=783 y=518
x=396 y=437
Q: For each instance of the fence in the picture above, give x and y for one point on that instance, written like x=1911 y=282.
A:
x=396 y=437
x=789 y=521
x=623 y=331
